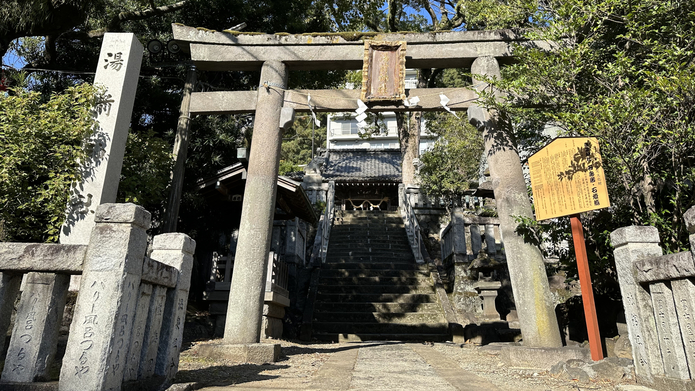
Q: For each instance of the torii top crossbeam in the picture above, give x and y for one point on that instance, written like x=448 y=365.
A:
x=233 y=51
x=320 y=51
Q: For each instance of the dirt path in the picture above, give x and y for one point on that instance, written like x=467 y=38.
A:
x=373 y=366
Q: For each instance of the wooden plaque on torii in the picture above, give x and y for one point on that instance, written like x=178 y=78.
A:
x=383 y=72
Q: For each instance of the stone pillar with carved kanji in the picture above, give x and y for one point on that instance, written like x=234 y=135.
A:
x=100 y=332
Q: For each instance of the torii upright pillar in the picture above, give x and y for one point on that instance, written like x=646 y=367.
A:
x=526 y=267
x=245 y=306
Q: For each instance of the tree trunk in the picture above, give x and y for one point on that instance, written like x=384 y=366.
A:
x=410 y=136
x=527 y=273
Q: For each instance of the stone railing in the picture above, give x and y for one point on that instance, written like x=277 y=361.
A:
x=277 y=275
x=128 y=319
x=473 y=261
x=466 y=236
x=659 y=300
x=412 y=226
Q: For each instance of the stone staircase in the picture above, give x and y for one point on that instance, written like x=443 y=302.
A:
x=371 y=288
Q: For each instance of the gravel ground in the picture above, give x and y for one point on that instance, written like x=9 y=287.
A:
x=488 y=365
x=300 y=362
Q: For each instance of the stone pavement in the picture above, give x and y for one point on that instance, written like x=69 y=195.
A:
x=380 y=366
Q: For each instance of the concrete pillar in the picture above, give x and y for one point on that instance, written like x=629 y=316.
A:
x=631 y=244
x=527 y=272
x=245 y=307
x=101 y=329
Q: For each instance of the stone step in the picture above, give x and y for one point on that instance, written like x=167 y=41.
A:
x=376 y=240
x=376 y=288
x=380 y=317
x=344 y=240
x=361 y=273
x=380 y=255
x=371 y=238
x=368 y=222
x=375 y=266
x=381 y=328
x=362 y=228
x=430 y=306
x=367 y=297
x=341 y=259
x=349 y=215
x=379 y=280
x=336 y=337
x=367 y=246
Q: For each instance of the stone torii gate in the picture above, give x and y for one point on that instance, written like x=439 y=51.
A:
x=274 y=105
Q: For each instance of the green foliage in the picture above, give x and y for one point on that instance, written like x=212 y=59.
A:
x=41 y=143
x=146 y=171
x=296 y=145
x=496 y=14
x=452 y=165
x=621 y=72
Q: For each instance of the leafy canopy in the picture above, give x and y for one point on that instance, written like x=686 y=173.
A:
x=42 y=142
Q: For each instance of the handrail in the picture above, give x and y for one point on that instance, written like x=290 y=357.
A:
x=277 y=277
x=412 y=226
x=328 y=215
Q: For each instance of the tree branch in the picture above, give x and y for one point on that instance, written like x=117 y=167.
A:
x=433 y=77
x=115 y=23
x=392 y=16
x=426 y=5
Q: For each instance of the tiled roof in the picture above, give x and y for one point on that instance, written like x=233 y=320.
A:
x=363 y=165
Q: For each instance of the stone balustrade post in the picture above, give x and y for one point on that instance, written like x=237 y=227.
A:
x=101 y=329
x=490 y=239
x=173 y=249
x=9 y=288
x=138 y=333
x=689 y=217
x=476 y=239
x=458 y=231
x=35 y=335
x=631 y=244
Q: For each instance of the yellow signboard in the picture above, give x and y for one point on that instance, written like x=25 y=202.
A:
x=567 y=178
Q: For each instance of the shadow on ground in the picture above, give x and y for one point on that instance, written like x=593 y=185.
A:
x=308 y=349
x=226 y=375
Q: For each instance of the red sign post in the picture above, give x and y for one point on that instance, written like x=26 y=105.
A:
x=567 y=179
x=587 y=290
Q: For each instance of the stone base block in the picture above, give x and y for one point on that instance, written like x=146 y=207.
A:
x=272 y=327
x=255 y=353
x=38 y=386
x=667 y=384
x=343 y=338
x=541 y=359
